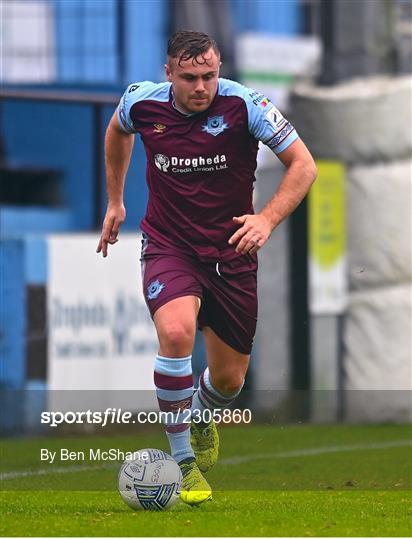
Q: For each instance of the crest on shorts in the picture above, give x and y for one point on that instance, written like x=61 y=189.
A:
x=154 y=289
x=215 y=125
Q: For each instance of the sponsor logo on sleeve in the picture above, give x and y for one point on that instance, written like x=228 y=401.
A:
x=256 y=97
x=275 y=118
x=215 y=125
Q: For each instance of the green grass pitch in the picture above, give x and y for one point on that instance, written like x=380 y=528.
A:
x=298 y=480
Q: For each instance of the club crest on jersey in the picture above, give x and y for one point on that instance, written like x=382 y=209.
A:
x=154 y=289
x=215 y=125
x=162 y=162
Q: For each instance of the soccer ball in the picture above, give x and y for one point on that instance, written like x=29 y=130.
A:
x=150 y=482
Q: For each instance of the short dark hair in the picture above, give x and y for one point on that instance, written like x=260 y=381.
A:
x=187 y=44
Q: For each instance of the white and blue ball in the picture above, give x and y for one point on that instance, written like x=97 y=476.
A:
x=151 y=482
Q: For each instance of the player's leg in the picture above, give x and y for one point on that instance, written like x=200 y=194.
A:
x=228 y=319
x=227 y=367
x=219 y=385
x=173 y=297
x=175 y=324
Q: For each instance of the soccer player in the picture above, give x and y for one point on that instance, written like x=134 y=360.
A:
x=200 y=232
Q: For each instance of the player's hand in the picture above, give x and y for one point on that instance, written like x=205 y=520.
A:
x=254 y=231
x=115 y=216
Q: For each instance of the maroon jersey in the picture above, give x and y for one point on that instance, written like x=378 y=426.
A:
x=201 y=166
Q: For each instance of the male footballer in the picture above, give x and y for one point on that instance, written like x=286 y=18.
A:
x=200 y=232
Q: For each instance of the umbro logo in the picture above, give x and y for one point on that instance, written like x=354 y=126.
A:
x=181 y=405
x=158 y=128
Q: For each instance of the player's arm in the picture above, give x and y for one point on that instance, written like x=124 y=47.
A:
x=118 y=150
x=300 y=173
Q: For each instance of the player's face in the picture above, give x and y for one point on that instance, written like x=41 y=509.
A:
x=194 y=83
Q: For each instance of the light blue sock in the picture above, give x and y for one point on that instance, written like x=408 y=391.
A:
x=174 y=389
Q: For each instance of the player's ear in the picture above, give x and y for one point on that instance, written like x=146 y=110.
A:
x=168 y=72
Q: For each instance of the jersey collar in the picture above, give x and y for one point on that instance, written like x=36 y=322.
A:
x=177 y=108
x=186 y=114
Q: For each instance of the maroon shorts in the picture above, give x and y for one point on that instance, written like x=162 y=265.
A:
x=227 y=290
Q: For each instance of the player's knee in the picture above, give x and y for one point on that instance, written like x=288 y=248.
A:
x=176 y=339
x=229 y=386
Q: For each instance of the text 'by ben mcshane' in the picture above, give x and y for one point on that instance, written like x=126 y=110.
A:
x=91 y=454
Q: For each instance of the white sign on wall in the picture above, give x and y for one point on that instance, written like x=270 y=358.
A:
x=271 y=64
x=101 y=336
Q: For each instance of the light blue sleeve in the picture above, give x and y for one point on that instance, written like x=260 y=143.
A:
x=138 y=92
x=130 y=97
x=266 y=123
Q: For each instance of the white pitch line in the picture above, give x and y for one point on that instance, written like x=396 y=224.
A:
x=54 y=470
x=228 y=461
x=316 y=451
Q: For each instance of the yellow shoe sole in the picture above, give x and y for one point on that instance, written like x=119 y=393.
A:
x=194 y=498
